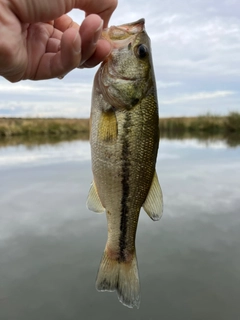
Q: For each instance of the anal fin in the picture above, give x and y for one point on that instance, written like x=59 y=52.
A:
x=153 y=204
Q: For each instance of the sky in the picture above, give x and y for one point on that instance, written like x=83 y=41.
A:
x=196 y=55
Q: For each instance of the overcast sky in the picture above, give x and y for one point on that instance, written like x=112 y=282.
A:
x=196 y=54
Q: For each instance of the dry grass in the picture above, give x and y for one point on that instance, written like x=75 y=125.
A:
x=190 y=124
x=205 y=128
x=209 y=124
x=42 y=127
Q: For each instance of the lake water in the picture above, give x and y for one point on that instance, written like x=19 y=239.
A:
x=51 y=245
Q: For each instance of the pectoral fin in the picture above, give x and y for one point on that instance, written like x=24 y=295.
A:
x=93 y=200
x=153 y=204
x=108 y=130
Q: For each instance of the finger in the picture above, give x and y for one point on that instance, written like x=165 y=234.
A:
x=35 y=10
x=57 y=34
x=65 y=22
x=103 y=49
x=104 y=9
x=90 y=32
x=53 y=45
x=58 y=64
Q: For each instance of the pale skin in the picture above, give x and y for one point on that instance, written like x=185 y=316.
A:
x=38 y=40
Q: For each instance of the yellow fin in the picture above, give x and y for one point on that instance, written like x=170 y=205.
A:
x=93 y=200
x=153 y=204
x=107 y=130
x=122 y=277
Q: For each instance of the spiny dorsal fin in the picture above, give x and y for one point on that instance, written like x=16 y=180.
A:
x=93 y=200
x=153 y=204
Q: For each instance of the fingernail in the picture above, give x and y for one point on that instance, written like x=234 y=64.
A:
x=62 y=76
x=77 y=44
x=110 y=50
x=97 y=33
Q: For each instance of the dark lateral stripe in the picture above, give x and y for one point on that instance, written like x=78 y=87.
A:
x=125 y=187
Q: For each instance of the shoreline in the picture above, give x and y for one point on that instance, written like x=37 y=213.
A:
x=56 y=127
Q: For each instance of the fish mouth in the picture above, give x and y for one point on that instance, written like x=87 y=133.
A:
x=123 y=31
x=119 y=36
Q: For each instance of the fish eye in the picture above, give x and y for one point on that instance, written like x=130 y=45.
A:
x=141 y=51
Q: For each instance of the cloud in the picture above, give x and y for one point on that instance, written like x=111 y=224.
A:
x=162 y=84
x=195 y=46
x=198 y=96
x=53 y=98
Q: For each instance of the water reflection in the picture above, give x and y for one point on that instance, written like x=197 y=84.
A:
x=51 y=245
x=42 y=154
x=35 y=140
x=231 y=140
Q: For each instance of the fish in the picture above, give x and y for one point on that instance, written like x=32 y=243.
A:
x=124 y=139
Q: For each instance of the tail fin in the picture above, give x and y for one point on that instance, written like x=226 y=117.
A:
x=122 y=277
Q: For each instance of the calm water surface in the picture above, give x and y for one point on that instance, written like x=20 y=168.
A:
x=51 y=245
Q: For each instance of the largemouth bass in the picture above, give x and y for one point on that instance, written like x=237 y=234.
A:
x=124 y=143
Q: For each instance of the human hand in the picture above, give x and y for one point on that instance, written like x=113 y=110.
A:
x=39 y=41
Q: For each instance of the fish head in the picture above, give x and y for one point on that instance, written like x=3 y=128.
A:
x=126 y=76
